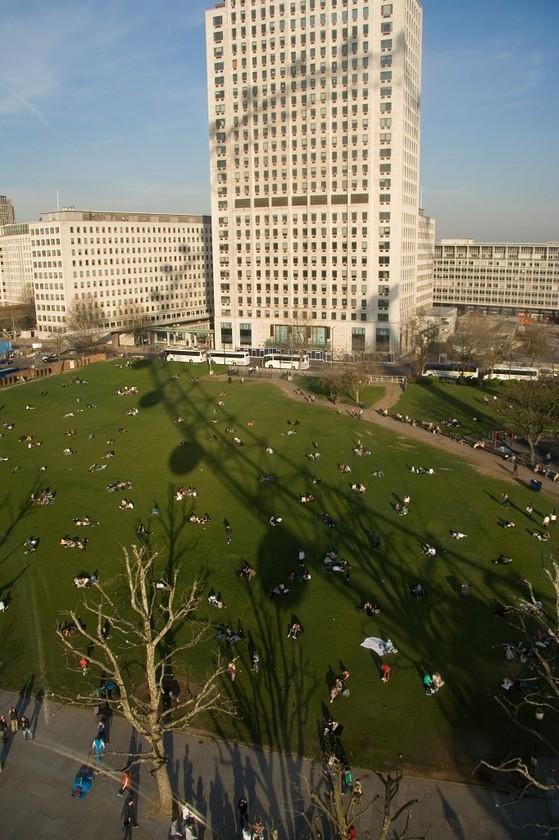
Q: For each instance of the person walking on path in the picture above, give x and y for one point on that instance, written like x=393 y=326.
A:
x=97 y=749
x=125 y=783
x=25 y=728
x=13 y=720
x=242 y=805
x=514 y=465
x=131 y=809
x=127 y=827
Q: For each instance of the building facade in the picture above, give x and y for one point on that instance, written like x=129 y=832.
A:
x=7 y=211
x=140 y=267
x=498 y=278
x=314 y=110
x=16 y=270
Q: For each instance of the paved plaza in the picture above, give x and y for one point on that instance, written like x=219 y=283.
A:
x=37 y=776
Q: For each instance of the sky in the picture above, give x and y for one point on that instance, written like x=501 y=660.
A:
x=105 y=101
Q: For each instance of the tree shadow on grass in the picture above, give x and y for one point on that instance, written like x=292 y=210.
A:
x=424 y=628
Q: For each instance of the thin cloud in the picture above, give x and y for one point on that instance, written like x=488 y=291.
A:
x=30 y=107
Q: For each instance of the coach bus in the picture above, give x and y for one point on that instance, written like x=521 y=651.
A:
x=186 y=354
x=232 y=358
x=286 y=361
x=506 y=373
x=450 y=370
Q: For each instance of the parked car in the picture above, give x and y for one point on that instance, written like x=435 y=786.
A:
x=51 y=357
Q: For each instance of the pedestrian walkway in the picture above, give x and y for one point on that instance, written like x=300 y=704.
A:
x=211 y=775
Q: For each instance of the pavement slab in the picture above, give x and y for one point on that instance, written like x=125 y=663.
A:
x=211 y=774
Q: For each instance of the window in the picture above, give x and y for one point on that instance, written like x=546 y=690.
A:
x=358 y=340
x=226 y=333
x=246 y=335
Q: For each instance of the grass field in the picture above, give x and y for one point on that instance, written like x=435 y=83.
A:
x=436 y=401
x=368 y=396
x=284 y=703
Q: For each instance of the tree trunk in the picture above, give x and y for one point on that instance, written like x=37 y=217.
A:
x=164 y=789
x=532 y=446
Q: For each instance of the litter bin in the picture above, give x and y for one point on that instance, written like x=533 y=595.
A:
x=535 y=485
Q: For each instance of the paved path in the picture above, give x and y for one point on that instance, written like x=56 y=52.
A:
x=35 y=801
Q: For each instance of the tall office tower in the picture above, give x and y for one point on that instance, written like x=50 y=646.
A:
x=7 y=212
x=152 y=266
x=314 y=149
x=16 y=269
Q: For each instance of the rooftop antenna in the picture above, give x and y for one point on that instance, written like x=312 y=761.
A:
x=57 y=200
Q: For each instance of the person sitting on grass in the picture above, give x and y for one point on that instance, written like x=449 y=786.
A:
x=84 y=580
x=126 y=504
x=457 y=535
x=247 y=571
x=332 y=727
x=371 y=609
x=215 y=600
x=502 y=560
x=296 y=629
x=306 y=498
x=358 y=487
x=428 y=685
x=31 y=544
x=279 y=589
x=418 y=590
x=274 y=521
x=429 y=550
x=542 y=536
x=327 y=520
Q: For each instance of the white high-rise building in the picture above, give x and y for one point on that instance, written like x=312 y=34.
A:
x=7 y=211
x=314 y=109
x=152 y=266
x=16 y=270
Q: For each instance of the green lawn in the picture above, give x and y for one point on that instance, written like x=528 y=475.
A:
x=368 y=396
x=436 y=401
x=283 y=704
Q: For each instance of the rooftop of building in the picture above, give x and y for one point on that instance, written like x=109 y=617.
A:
x=497 y=243
x=69 y=214
x=15 y=229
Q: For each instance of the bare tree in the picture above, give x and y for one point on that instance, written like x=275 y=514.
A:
x=535 y=343
x=341 y=810
x=530 y=409
x=531 y=702
x=135 y=318
x=84 y=319
x=157 y=615
x=352 y=378
x=425 y=334
x=473 y=342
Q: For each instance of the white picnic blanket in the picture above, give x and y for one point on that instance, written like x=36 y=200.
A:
x=380 y=646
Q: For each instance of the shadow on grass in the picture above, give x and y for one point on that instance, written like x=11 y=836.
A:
x=273 y=704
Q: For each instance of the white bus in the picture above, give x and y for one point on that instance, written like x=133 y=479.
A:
x=450 y=370
x=229 y=357
x=507 y=373
x=186 y=354
x=286 y=361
